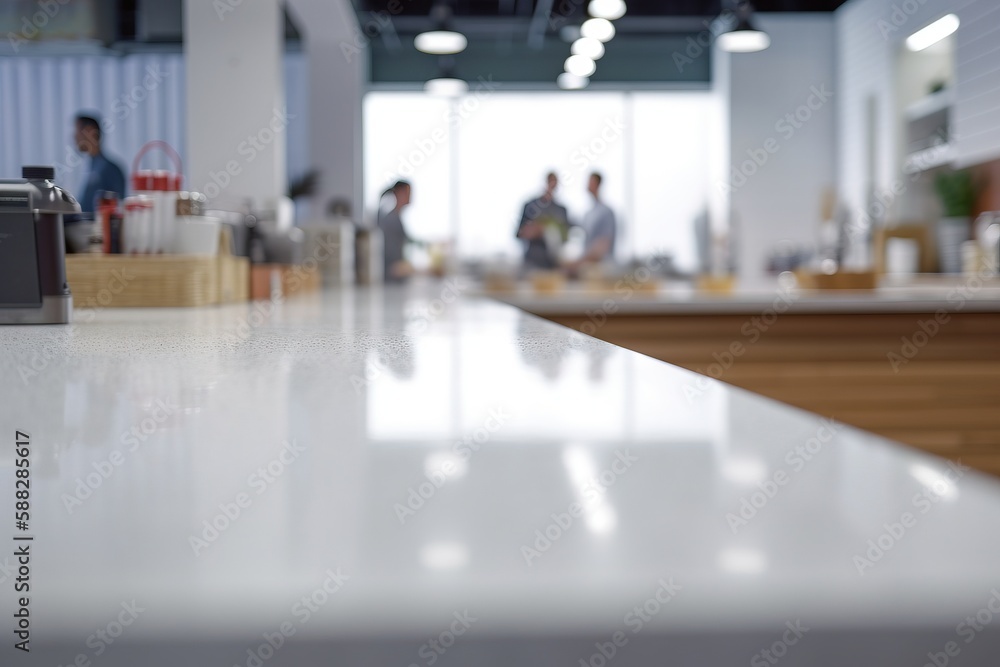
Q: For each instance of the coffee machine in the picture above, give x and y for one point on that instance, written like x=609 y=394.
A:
x=33 y=288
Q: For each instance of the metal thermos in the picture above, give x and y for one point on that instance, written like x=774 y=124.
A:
x=33 y=288
x=368 y=256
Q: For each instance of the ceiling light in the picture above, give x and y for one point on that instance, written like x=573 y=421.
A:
x=568 y=81
x=933 y=33
x=446 y=87
x=607 y=9
x=440 y=42
x=580 y=66
x=600 y=29
x=588 y=46
x=744 y=38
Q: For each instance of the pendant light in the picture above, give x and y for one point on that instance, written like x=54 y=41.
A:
x=443 y=40
x=446 y=84
x=745 y=37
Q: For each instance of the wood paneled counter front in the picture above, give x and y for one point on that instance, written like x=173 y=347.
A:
x=918 y=363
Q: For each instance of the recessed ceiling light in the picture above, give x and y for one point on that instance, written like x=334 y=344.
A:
x=601 y=29
x=588 y=46
x=607 y=9
x=440 y=42
x=580 y=66
x=933 y=33
x=568 y=81
x=446 y=87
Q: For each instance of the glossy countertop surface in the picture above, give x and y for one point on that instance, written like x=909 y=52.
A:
x=636 y=294
x=446 y=454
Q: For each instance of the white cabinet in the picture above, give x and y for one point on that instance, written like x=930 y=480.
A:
x=976 y=113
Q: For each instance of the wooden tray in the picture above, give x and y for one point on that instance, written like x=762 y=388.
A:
x=842 y=280
x=141 y=281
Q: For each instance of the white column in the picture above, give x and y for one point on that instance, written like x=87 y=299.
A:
x=337 y=51
x=236 y=119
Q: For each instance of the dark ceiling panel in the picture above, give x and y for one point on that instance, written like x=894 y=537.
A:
x=635 y=7
x=637 y=60
x=520 y=40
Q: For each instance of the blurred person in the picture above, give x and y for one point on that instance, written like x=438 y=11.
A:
x=541 y=214
x=394 y=233
x=600 y=227
x=103 y=173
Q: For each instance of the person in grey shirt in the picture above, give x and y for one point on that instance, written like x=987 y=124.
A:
x=536 y=215
x=394 y=234
x=599 y=225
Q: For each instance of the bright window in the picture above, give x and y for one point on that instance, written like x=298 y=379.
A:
x=474 y=161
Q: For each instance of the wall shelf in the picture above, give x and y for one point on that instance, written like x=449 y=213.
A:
x=929 y=158
x=934 y=103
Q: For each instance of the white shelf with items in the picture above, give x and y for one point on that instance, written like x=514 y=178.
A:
x=937 y=102
x=929 y=158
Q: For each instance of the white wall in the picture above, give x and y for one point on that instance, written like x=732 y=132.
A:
x=977 y=85
x=337 y=54
x=235 y=92
x=870 y=36
x=780 y=167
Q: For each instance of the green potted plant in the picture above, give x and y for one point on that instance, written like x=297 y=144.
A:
x=958 y=196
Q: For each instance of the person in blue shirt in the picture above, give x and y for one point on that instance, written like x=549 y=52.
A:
x=104 y=173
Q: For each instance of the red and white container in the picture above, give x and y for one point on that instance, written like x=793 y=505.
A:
x=137 y=226
x=162 y=188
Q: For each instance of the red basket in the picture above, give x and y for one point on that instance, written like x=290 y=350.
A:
x=145 y=180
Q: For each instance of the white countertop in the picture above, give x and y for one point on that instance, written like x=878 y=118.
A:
x=378 y=389
x=950 y=294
